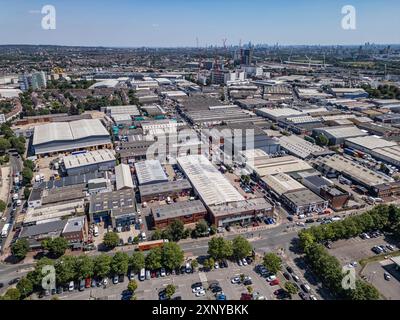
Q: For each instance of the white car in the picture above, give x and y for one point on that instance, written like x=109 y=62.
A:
x=197 y=289
x=271 y=278
x=162 y=272
x=200 y=293
x=105 y=281
x=244 y=262
x=312 y=297
x=240 y=263
x=216 y=265
x=295 y=278
x=71 y=286
x=235 y=280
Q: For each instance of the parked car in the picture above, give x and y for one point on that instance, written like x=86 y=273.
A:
x=115 y=279
x=271 y=278
x=71 y=286
x=162 y=272
x=295 y=278
x=235 y=280
x=302 y=295
x=200 y=293
x=286 y=275
x=197 y=288
x=274 y=282
x=305 y=287
x=82 y=285
x=387 y=276
x=244 y=262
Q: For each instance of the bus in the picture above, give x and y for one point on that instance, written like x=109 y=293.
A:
x=147 y=245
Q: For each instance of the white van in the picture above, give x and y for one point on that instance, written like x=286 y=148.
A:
x=71 y=286
x=96 y=231
x=142 y=275
x=169 y=200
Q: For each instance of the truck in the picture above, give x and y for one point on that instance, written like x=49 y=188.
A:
x=4 y=231
x=144 y=246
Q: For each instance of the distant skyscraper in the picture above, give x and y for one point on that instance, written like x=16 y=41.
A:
x=34 y=81
x=247 y=56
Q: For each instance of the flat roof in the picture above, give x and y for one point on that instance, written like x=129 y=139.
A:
x=241 y=206
x=371 y=142
x=74 y=224
x=303 y=197
x=282 y=183
x=164 y=187
x=112 y=200
x=354 y=170
x=177 y=209
x=56 y=226
x=277 y=165
x=342 y=131
x=209 y=183
x=88 y=158
x=150 y=171
x=279 y=112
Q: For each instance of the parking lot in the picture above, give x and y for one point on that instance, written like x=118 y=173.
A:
x=356 y=249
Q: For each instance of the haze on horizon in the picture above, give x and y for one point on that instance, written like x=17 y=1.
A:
x=179 y=23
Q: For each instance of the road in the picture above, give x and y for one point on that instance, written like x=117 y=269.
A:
x=16 y=166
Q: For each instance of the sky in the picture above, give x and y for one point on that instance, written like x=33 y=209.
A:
x=174 y=23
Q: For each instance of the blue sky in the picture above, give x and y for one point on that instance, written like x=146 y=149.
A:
x=180 y=22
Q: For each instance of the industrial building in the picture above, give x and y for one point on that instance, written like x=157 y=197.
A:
x=135 y=149
x=75 y=231
x=117 y=208
x=35 y=234
x=123 y=177
x=377 y=183
x=303 y=202
x=149 y=172
x=337 y=135
x=185 y=211
x=97 y=160
x=160 y=191
x=279 y=113
x=211 y=186
x=301 y=148
x=281 y=183
x=53 y=138
x=240 y=212
x=336 y=196
x=262 y=166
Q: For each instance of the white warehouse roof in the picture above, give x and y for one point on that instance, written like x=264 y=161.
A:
x=123 y=177
x=150 y=171
x=88 y=158
x=212 y=187
x=68 y=131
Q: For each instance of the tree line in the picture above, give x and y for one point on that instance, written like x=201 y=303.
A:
x=327 y=267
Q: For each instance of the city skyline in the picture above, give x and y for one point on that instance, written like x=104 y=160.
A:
x=158 y=24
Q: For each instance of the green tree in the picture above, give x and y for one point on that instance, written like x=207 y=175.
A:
x=20 y=248
x=170 y=291
x=219 y=248
x=201 y=229
x=65 y=269
x=153 y=259
x=12 y=294
x=172 y=255
x=322 y=140
x=120 y=263
x=364 y=291
x=132 y=286
x=84 y=267
x=4 y=145
x=56 y=247
x=25 y=287
x=194 y=264
x=102 y=265
x=27 y=175
x=3 y=206
x=157 y=234
x=37 y=274
x=29 y=164
x=137 y=261
x=272 y=262
x=291 y=288
x=111 y=240
x=27 y=193
x=176 y=230
x=241 y=247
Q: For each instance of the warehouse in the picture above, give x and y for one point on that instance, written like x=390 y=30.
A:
x=301 y=148
x=281 y=183
x=368 y=143
x=185 y=211
x=277 y=114
x=211 y=186
x=337 y=135
x=304 y=201
x=286 y=164
x=160 y=191
x=98 y=160
x=149 y=172
x=123 y=177
x=130 y=110
x=336 y=165
x=243 y=212
x=135 y=149
x=56 y=137
x=116 y=208
x=316 y=183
